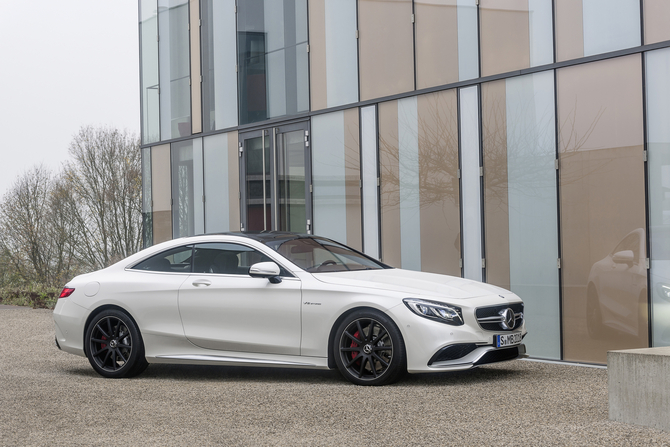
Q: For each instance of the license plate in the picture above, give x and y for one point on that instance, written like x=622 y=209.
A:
x=502 y=341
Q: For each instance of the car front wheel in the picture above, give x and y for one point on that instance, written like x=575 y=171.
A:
x=114 y=345
x=369 y=349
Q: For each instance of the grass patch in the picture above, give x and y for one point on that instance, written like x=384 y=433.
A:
x=36 y=297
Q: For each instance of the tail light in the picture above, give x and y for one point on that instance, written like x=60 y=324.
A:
x=66 y=292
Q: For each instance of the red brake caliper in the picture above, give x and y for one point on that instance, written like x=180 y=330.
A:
x=354 y=345
x=102 y=346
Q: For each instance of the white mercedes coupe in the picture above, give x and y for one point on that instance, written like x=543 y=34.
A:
x=284 y=300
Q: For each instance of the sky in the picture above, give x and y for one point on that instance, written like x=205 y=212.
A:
x=64 y=64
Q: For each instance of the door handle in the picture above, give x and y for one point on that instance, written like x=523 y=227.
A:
x=202 y=282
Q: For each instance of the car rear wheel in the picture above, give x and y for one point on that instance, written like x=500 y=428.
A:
x=369 y=349
x=114 y=346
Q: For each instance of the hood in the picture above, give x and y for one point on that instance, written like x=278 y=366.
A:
x=411 y=283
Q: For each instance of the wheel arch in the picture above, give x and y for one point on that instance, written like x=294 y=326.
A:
x=338 y=321
x=103 y=308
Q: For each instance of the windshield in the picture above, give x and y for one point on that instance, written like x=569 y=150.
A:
x=318 y=255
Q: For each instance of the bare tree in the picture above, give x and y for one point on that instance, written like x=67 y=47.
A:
x=105 y=187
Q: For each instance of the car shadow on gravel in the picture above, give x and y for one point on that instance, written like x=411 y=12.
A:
x=207 y=373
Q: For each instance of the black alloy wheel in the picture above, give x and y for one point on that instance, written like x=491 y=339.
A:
x=369 y=349
x=114 y=345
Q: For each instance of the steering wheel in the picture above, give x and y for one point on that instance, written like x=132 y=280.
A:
x=327 y=262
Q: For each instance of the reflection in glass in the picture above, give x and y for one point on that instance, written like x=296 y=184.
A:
x=658 y=144
x=187 y=209
x=219 y=86
x=175 y=89
x=602 y=204
x=257 y=182
x=147 y=222
x=272 y=59
x=217 y=194
x=470 y=183
x=161 y=195
x=149 y=67
x=369 y=175
x=521 y=207
x=291 y=182
x=418 y=144
x=335 y=176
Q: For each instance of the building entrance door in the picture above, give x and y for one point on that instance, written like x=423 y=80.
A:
x=275 y=179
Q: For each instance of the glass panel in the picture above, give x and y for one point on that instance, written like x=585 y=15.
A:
x=196 y=75
x=505 y=39
x=658 y=134
x=291 y=182
x=436 y=42
x=227 y=259
x=419 y=183
x=471 y=184
x=219 y=85
x=161 y=193
x=468 y=40
x=147 y=223
x=257 y=182
x=610 y=25
x=541 y=32
x=516 y=34
x=439 y=193
x=588 y=27
x=173 y=48
x=370 y=190
x=217 y=203
x=341 y=52
x=521 y=207
x=386 y=46
x=198 y=192
x=149 y=66
x=176 y=260
x=602 y=204
x=320 y=255
x=656 y=19
x=273 y=74
x=329 y=176
x=183 y=193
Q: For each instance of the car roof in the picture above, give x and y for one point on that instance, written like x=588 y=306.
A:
x=263 y=236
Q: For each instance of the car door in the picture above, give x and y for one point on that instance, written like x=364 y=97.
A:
x=223 y=308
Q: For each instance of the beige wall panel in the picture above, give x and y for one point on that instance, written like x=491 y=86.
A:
x=317 y=54
x=438 y=183
x=352 y=168
x=233 y=182
x=496 y=199
x=602 y=201
x=161 y=190
x=569 y=29
x=505 y=44
x=196 y=91
x=386 y=47
x=656 y=21
x=436 y=42
x=390 y=182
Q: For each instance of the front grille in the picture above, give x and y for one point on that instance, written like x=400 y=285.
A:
x=452 y=352
x=499 y=355
x=489 y=318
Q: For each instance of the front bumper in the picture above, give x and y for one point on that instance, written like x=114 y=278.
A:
x=459 y=357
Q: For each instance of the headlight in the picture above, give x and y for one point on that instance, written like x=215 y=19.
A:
x=444 y=313
x=663 y=290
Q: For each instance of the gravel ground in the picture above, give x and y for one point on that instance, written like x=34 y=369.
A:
x=48 y=397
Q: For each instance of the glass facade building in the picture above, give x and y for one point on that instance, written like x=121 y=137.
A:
x=524 y=143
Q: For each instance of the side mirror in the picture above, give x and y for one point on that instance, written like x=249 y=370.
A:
x=268 y=270
x=624 y=257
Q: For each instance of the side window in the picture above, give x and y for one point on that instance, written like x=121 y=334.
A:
x=229 y=259
x=175 y=260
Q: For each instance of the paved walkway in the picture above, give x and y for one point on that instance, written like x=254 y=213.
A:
x=53 y=398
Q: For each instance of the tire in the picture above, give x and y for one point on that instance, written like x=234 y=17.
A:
x=369 y=349
x=114 y=345
x=594 y=321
